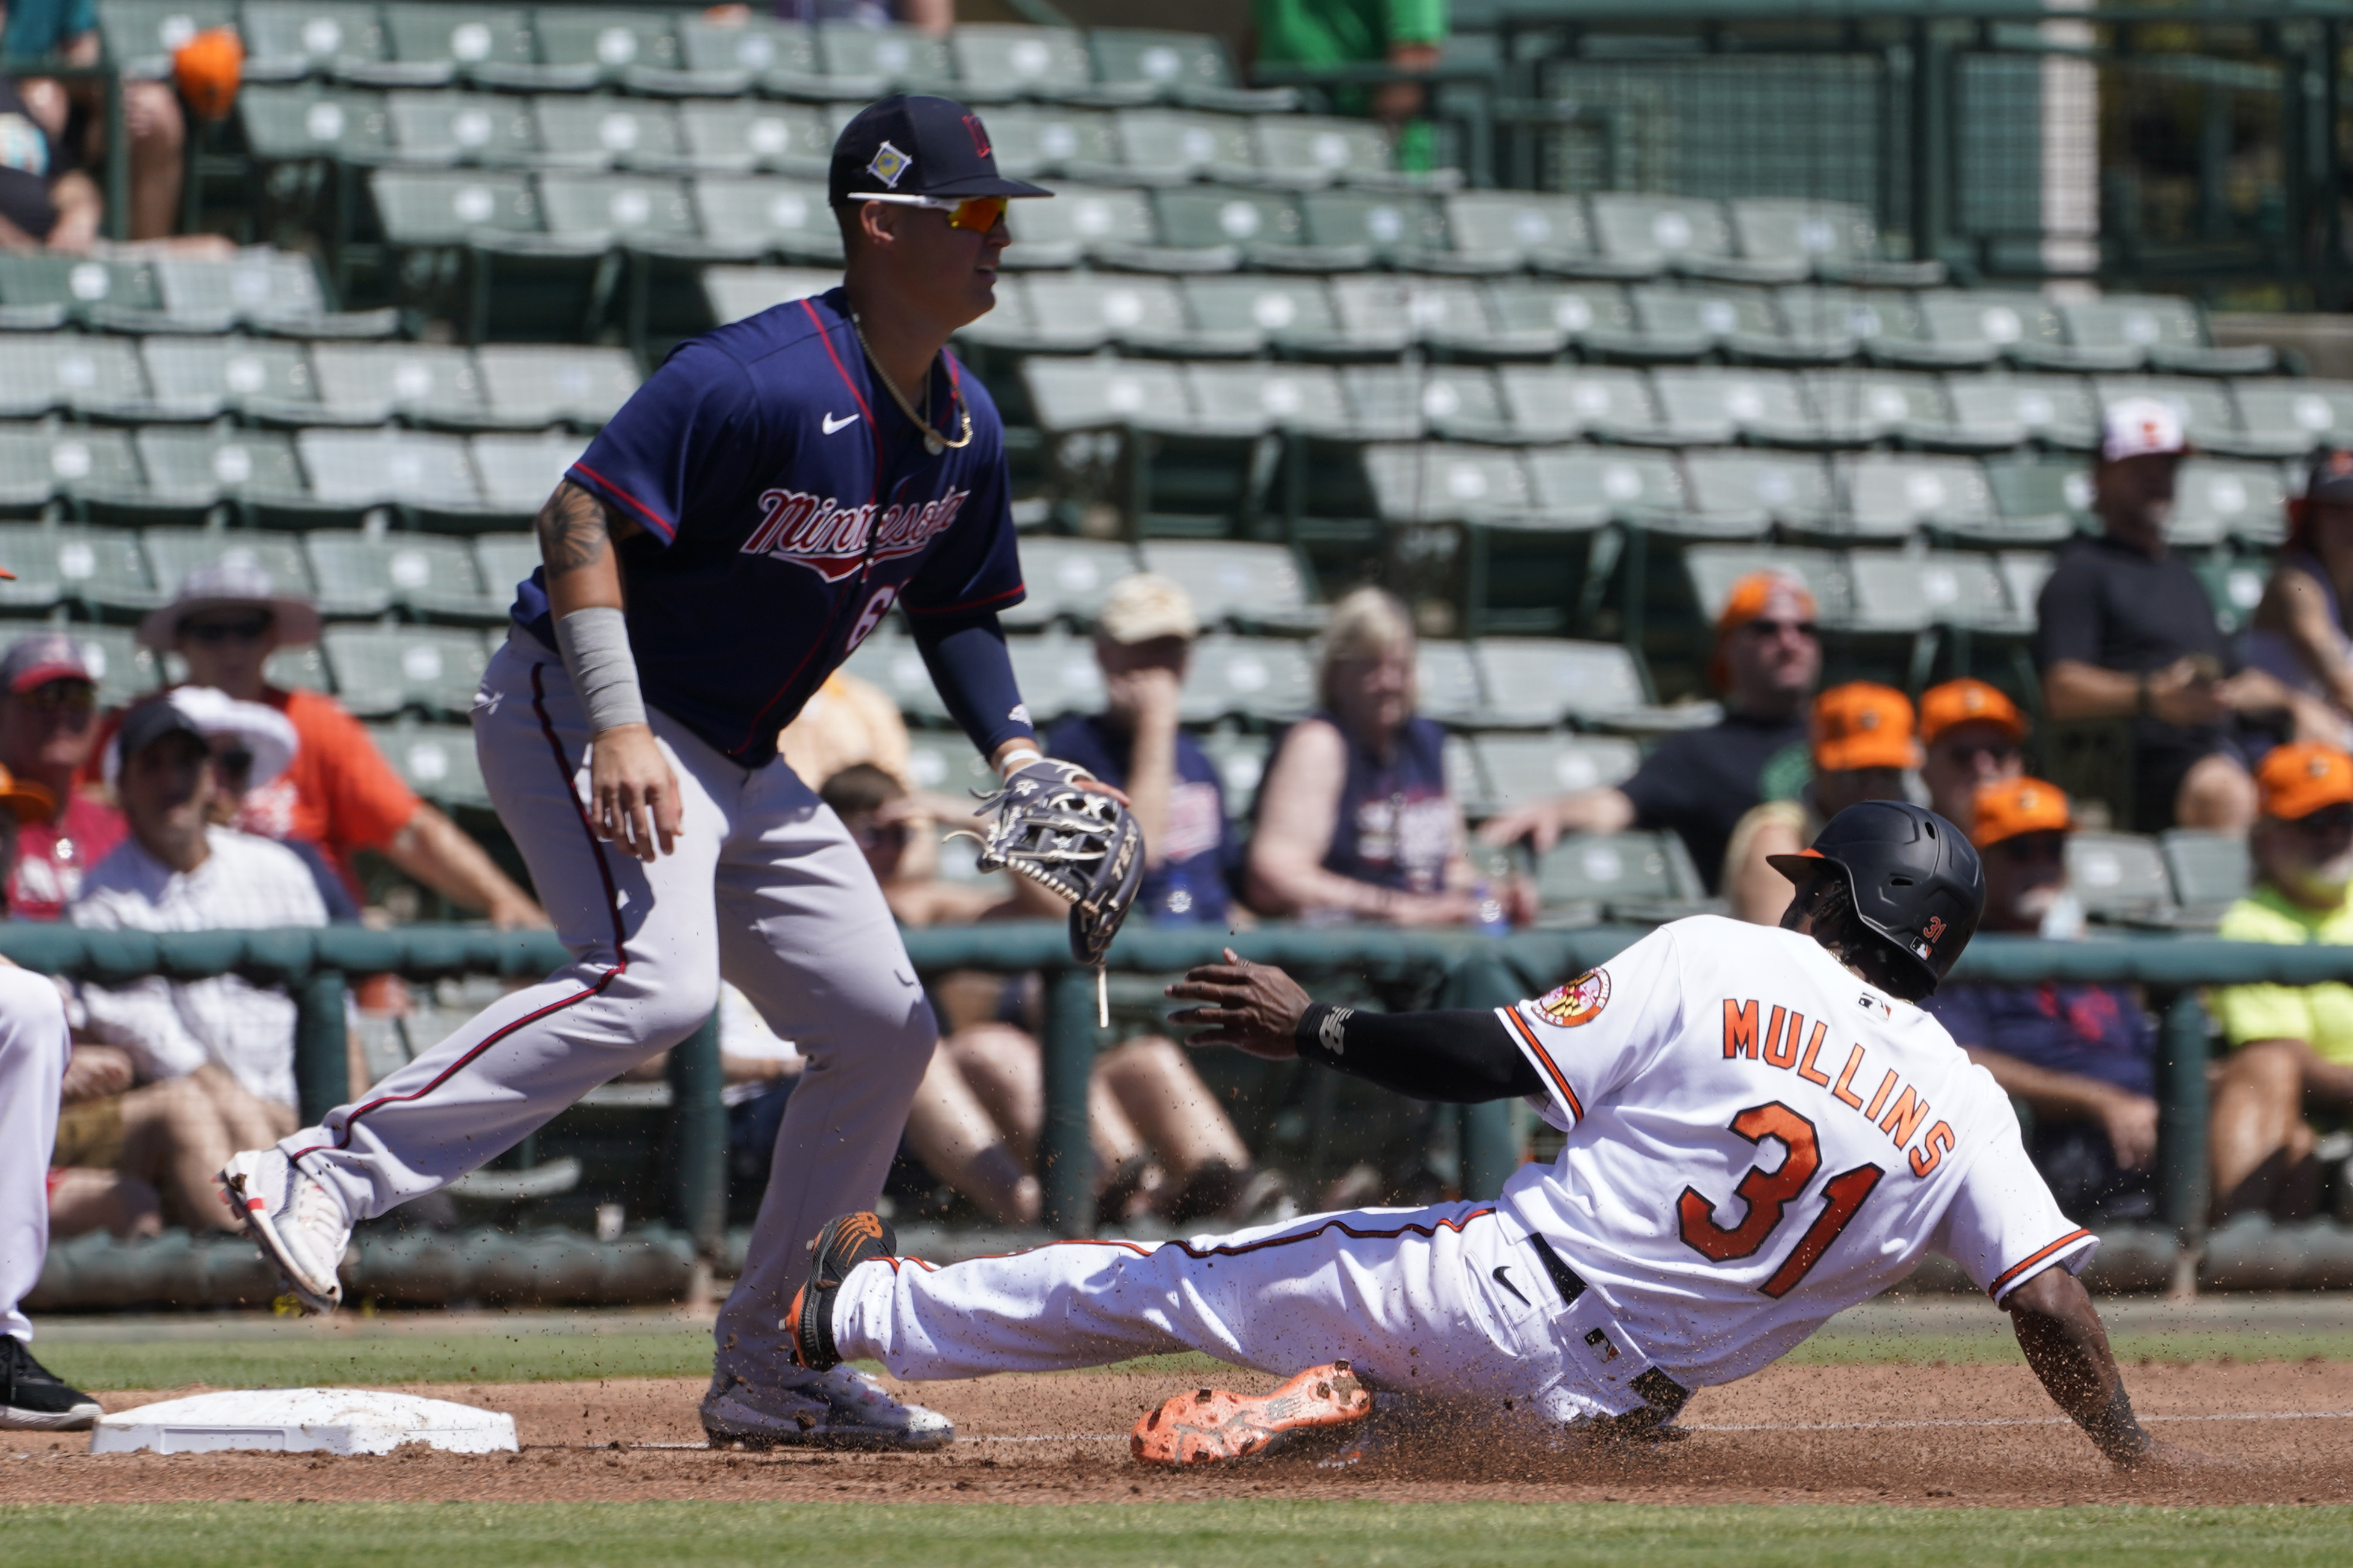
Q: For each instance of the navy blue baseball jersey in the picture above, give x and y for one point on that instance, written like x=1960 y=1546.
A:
x=787 y=505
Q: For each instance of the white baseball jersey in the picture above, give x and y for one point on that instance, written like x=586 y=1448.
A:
x=1758 y=1140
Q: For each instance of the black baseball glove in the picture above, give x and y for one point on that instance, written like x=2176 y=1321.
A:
x=1083 y=846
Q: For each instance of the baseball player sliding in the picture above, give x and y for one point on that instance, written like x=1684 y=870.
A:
x=768 y=496
x=1762 y=1129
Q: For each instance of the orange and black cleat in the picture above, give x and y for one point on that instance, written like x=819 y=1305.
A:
x=1215 y=1423
x=844 y=1243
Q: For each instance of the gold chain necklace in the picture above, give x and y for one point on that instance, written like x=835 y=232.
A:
x=934 y=442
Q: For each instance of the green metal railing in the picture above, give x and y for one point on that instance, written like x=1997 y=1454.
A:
x=1457 y=969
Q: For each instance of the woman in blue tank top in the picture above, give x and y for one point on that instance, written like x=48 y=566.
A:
x=1355 y=820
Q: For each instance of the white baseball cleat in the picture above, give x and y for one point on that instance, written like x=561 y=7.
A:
x=295 y=1219
x=838 y=1408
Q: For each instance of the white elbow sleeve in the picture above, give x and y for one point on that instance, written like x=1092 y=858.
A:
x=594 y=644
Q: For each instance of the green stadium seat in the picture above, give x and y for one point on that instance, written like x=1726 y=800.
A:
x=430 y=208
x=2167 y=331
x=1981 y=327
x=2209 y=871
x=195 y=467
x=126 y=672
x=1398 y=226
x=370 y=383
x=1072 y=312
x=1267 y=678
x=1710 y=406
x=201 y=378
x=276 y=291
x=2038 y=499
x=2058 y=410
x=625 y=209
x=290 y=124
x=1899 y=593
x=575 y=49
x=433 y=44
x=735 y=292
x=1305 y=151
x=286 y=40
x=506 y=561
x=41 y=462
x=1857 y=407
x=2215 y=499
x=495 y=130
x=1682 y=234
x=1161 y=146
x=43 y=291
x=1057 y=675
x=1837 y=240
x=42 y=371
x=888 y=660
x=142 y=35
x=1246 y=313
x=1239 y=757
x=2024 y=572
x=597 y=131
x=1384 y=313
x=1742 y=494
x=1009 y=324
x=1402 y=401
x=1520 y=770
x=380 y=671
x=738 y=136
x=1253 y=587
x=880 y=60
x=1067 y=578
x=174 y=552
x=1446 y=681
x=1684 y=323
x=1263 y=228
x=1563 y=401
x=98 y=567
x=1095 y=393
x=1031 y=141
x=1597 y=317
x=1713 y=568
x=1588 y=486
x=364 y=575
x=1890 y=496
x=996 y=61
x=1186 y=67
x=2321 y=410
x=1088 y=222
x=1885 y=325
x=538 y=385
x=1247 y=398
x=768 y=214
x=2207 y=414
x=365 y=469
x=1435 y=481
x=1538 y=683
x=943 y=763
x=2119 y=878
x=1531 y=230
x=438 y=760
x=728 y=58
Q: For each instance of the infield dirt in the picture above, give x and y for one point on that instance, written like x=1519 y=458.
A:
x=1930 y=1436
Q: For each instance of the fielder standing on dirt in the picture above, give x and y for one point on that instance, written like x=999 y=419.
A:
x=1762 y=1128
x=769 y=495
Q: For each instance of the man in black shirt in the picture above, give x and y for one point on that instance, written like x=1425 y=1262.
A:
x=2125 y=630
x=1702 y=782
x=44 y=199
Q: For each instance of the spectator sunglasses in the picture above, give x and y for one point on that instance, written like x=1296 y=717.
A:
x=976 y=214
x=245 y=629
x=1771 y=629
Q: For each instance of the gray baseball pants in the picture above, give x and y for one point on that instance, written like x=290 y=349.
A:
x=765 y=886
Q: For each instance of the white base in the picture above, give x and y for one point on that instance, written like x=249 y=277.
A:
x=290 y=1420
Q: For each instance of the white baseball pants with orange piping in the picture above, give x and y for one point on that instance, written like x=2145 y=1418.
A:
x=34 y=1045
x=765 y=886
x=1448 y=1303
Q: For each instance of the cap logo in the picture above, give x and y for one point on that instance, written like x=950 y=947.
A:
x=889 y=165
x=979 y=135
x=1867 y=720
x=2317 y=767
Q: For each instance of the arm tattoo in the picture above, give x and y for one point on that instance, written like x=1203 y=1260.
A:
x=573 y=529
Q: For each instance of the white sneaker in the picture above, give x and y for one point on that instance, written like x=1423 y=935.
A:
x=295 y=1219
x=839 y=1408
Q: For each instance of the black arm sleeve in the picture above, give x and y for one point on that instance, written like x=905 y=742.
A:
x=1459 y=1057
x=969 y=664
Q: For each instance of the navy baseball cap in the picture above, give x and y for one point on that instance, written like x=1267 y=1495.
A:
x=913 y=145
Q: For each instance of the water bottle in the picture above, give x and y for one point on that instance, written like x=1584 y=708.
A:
x=1488 y=915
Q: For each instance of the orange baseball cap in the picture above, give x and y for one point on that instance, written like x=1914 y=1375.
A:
x=1746 y=602
x=1862 y=725
x=207 y=69
x=1967 y=701
x=2299 y=779
x=2007 y=807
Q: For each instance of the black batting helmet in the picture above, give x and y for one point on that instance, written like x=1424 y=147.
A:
x=1915 y=877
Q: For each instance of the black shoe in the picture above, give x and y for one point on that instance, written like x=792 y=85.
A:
x=32 y=1400
x=841 y=1247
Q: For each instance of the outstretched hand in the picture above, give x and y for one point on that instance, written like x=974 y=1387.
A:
x=1253 y=1007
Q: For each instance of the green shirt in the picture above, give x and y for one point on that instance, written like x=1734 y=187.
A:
x=1343 y=32
x=2320 y=1015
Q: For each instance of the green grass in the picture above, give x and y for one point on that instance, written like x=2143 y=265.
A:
x=1237 y=1534
x=1995 y=1343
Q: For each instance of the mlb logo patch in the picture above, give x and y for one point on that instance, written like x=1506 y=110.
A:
x=889 y=165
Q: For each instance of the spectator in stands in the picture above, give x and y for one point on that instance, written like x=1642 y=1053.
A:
x=2291 y=1046
x=71 y=116
x=253 y=745
x=227 y=619
x=49 y=701
x=46 y=203
x=936 y=17
x=2299 y=635
x=2125 y=630
x=177 y=871
x=1970 y=736
x=1702 y=782
x=126 y=1149
x=1354 y=820
x=2082 y=1058
x=1143 y=644
x=1862 y=749
x=1406 y=35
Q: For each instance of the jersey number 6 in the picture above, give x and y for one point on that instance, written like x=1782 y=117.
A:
x=1768 y=1194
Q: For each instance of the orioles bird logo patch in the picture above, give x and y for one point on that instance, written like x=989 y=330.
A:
x=1578 y=1002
